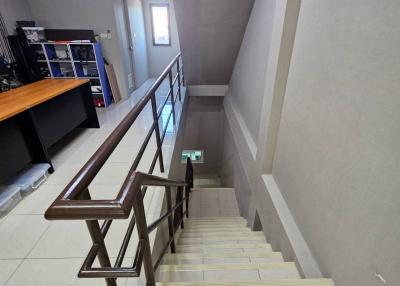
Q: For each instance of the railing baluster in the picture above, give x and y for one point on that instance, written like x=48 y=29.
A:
x=171 y=88
x=180 y=190
x=157 y=129
x=179 y=79
x=98 y=239
x=170 y=219
x=141 y=224
x=75 y=201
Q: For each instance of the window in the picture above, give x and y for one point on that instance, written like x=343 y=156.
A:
x=197 y=156
x=160 y=24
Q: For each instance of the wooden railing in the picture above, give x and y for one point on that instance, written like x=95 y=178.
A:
x=75 y=202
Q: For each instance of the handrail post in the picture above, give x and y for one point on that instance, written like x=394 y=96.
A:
x=171 y=89
x=141 y=223
x=183 y=75
x=170 y=219
x=98 y=239
x=189 y=182
x=179 y=79
x=180 y=190
x=157 y=130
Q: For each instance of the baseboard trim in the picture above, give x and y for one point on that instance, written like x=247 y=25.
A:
x=301 y=252
x=274 y=213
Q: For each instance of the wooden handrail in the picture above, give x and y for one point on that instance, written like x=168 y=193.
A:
x=75 y=203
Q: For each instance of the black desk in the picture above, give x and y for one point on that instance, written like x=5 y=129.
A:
x=34 y=117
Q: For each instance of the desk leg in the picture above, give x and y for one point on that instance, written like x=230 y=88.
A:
x=26 y=121
x=92 y=121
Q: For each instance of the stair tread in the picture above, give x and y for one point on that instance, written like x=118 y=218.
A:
x=224 y=255
x=211 y=240
x=216 y=218
x=221 y=233
x=227 y=245
x=228 y=266
x=274 y=282
x=220 y=242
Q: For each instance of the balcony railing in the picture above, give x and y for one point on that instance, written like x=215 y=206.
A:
x=75 y=202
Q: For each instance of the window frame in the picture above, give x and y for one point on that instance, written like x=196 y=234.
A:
x=166 y=5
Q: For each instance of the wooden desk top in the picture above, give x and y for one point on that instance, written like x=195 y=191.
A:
x=20 y=99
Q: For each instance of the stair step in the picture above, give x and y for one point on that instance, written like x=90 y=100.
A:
x=213 y=258
x=230 y=266
x=217 y=218
x=189 y=228
x=210 y=240
x=218 y=233
x=226 y=272
x=224 y=255
x=220 y=222
x=224 y=248
x=228 y=245
x=279 y=282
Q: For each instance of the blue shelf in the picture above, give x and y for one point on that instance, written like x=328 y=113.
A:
x=85 y=60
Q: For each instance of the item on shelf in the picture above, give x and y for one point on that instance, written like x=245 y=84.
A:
x=34 y=34
x=96 y=89
x=112 y=78
x=62 y=54
x=75 y=60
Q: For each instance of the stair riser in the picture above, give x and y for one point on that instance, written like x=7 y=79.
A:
x=280 y=282
x=226 y=275
x=217 y=224
x=192 y=241
x=224 y=250
x=221 y=234
x=172 y=261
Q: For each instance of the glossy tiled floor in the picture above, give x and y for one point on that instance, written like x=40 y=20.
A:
x=35 y=251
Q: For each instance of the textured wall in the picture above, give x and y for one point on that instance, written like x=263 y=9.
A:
x=138 y=29
x=161 y=56
x=14 y=10
x=247 y=84
x=84 y=14
x=210 y=34
x=338 y=161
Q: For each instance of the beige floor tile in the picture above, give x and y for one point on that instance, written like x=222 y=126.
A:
x=45 y=272
x=38 y=201
x=19 y=234
x=7 y=268
x=63 y=174
x=63 y=239
x=112 y=174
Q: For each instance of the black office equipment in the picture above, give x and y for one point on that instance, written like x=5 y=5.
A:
x=70 y=35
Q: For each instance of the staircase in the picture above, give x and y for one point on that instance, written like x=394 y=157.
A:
x=224 y=251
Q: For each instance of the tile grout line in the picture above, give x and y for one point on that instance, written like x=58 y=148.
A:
x=12 y=274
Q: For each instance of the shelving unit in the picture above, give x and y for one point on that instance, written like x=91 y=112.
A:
x=75 y=60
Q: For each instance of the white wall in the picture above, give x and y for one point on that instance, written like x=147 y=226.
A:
x=338 y=161
x=138 y=29
x=329 y=132
x=160 y=56
x=14 y=10
x=101 y=15
x=252 y=109
x=246 y=88
x=211 y=33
